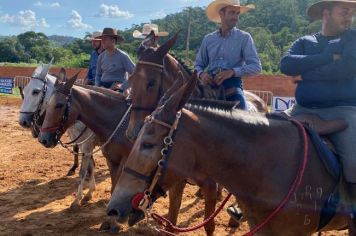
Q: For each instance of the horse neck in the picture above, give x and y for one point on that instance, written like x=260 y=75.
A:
x=172 y=67
x=100 y=111
x=238 y=146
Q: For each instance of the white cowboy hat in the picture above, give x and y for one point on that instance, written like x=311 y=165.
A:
x=146 y=30
x=95 y=36
x=315 y=11
x=212 y=11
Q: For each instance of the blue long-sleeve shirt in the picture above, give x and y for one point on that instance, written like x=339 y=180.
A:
x=235 y=51
x=325 y=82
x=92 y=66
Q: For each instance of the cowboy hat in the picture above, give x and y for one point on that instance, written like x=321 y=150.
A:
x=95 y=36
x=212 y=11
x=111 y=32
x=315 y=11
x=146 y=30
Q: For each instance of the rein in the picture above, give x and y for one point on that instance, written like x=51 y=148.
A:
x=60 y=128
x=143 y=201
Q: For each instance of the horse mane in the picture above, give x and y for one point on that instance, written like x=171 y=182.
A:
x=212 y=104
x=221 y=111
x=182 y=64
x=103 y=91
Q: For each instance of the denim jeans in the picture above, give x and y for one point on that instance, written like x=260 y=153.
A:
x=344 y=141
x=235 y=82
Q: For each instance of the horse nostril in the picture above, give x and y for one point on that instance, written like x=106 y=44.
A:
x=43 y=141
x=113 y=212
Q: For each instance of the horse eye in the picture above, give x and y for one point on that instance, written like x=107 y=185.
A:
x=59 y=105
x=35 y=92
x=151 y=83
x=147 y=145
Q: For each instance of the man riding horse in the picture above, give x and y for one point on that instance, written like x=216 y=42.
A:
x=326 y=63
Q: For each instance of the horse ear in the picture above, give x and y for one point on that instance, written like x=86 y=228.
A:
x=69 y=84
x=179 y=98
x=176 y=85
x=163 y=50
x=62 y=75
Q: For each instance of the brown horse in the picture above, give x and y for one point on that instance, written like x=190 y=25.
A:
x=254 y=156
x=154 y=74
x=101 y=110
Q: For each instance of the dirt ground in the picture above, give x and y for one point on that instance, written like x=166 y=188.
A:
x=35 y=193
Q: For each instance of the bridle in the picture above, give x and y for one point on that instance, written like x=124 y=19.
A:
x=161 y=92
x=59 y=129
x=37 y=113
x=143 y=201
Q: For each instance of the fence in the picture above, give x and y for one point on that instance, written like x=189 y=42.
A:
x=267 y=96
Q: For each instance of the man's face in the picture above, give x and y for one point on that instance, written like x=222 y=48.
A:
x=339 y=18
x=229 y=16
x=108 y=42
x=96 y=44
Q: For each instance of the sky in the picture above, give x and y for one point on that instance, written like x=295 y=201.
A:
x=75 y=17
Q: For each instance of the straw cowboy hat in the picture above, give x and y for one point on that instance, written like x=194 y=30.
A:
x=95 y=36
x=212 y=11
x=111 y=32
x=146 y=30
x=315 y=11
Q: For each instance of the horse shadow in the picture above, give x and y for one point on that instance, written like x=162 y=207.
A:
x=39 y=199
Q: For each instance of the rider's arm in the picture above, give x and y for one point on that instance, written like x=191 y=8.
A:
x=99 y=71
x=341 y=69
x=128 y=64
x=202 y=59
x=295 y=62
x=252 y=63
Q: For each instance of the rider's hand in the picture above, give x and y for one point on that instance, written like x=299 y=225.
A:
x=224 y=75
x=206 y=78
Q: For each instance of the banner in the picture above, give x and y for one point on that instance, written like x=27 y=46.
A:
x=282 y=103
x=6 y=85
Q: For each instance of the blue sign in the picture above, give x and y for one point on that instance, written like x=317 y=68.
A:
x=6 y=85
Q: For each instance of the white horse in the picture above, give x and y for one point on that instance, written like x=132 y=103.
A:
x=36 y=95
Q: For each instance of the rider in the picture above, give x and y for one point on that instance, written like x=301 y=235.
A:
x=326 y=62
x=146 y=30
x=228 y=54
x=98 y=48
x=114 y=65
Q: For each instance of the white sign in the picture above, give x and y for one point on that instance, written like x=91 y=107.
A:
x=282 y=103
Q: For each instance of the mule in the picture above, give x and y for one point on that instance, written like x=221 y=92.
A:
x=36 y=95
x=254 y=156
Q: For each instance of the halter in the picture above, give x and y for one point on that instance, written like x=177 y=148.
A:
x=143 y=201
x=37 y=113
x=157 y=66
x=59 y=129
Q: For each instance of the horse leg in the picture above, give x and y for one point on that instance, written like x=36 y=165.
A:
x=210 y=195
x=82 y=175
x=175 y=200
x=219 y=192
x=75 y=164
x=92 y=184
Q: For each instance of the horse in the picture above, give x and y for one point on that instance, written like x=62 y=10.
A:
x=36 y=95
x=155 y=73
x=100 y=109
x=256 y=157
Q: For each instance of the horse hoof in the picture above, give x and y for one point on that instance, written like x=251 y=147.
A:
x=74 y=206
x=114 y=229
x=233 y=223
x=105 y=226
x=199 y=194
x=86 y=199
x=71 y=172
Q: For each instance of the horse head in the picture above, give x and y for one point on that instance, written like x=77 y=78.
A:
x=57 y=111
x=147 y=83
x=36 y=95
x=137 y=182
